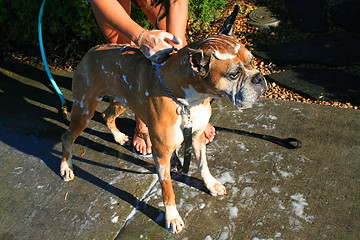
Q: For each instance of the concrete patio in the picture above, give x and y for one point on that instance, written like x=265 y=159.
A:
x=273 y=192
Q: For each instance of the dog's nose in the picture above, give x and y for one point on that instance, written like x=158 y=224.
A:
x=258 y=79
x=259 y=82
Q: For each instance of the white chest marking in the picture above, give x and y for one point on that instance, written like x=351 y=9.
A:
x=200 y=116
x=193 y=97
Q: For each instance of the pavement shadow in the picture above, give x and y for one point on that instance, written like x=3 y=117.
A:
x=25 y=111
x=32 y=73
x=29 y=123
x=150 y=211
x=25 y=103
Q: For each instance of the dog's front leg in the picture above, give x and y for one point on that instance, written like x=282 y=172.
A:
x=173 y=221
x=213 y=185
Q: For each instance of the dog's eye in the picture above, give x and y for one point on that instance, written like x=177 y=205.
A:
x=234 y=76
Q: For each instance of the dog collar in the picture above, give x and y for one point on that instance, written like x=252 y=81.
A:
x=183 y=108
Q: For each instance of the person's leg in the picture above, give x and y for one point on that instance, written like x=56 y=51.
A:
x=141 y=140
x=179 y=31
x=175 y=24
x=140 y=144
x=112 y=35
x=209 y=133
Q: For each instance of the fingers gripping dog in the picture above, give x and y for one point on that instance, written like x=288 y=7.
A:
x=215 y=67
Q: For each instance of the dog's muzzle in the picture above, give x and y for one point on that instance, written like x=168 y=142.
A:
x=251 y=89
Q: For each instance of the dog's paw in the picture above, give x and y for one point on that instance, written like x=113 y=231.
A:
x=121 y=138
x=173 y=221
x=66 y=171
x=175 y=225
x=217 y=189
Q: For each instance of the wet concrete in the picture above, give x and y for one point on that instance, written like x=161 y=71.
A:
x=273 y=192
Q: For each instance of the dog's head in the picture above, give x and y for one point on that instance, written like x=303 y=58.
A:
x=224 y=65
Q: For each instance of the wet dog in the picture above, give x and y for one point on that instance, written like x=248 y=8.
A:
x=167 y=97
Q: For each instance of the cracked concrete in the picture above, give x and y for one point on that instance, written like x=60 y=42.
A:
x=273 y=192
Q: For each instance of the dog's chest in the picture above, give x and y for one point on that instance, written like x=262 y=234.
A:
x=200 y=115
x=199 y=118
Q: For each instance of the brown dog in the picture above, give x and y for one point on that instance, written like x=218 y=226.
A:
x=214 y=67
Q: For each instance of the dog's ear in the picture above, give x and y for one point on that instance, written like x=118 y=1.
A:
x=199 y=61
x=226 y=29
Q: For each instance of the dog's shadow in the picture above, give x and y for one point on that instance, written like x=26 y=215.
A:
x=127 y=125
x=29 y=125
x=150 y=211
x=153 y=213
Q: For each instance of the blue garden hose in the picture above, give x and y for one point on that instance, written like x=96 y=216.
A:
x=43 y=56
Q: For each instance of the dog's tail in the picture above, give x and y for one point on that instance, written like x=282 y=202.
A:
x=227 y=28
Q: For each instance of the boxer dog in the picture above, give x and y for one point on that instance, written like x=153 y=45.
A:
x=161 y=94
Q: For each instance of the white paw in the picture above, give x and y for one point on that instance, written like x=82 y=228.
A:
x=173 y=221
x=216 y=189
x=121 y=138
x=66 y=171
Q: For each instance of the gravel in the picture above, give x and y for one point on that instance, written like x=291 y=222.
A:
x=245 y=33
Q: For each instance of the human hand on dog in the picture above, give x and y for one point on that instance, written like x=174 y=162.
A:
x=156 y=45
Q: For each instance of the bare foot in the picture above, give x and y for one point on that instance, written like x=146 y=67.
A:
x=141 y=140
x=209 y=133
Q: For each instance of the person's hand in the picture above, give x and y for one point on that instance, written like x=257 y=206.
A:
x=156 y=45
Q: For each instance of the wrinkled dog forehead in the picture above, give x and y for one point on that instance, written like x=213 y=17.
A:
x=222 y=47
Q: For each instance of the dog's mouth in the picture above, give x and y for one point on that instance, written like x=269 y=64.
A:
x=246 y=95
x=238 y=100
x=241 y=103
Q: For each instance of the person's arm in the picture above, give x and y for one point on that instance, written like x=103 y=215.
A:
x=151 y=42
x=116 y=15
x=177 y=17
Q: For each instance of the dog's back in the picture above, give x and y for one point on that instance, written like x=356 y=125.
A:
x=105 y=70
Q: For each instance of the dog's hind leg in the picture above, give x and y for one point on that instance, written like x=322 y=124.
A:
x=81 y=113
x=110 y=115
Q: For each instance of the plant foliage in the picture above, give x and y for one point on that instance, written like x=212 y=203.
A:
x=69 y=27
